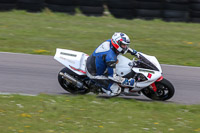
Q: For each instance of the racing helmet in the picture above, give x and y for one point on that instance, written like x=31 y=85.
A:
x=120 y=42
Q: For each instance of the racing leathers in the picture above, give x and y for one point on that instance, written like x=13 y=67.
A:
x=100 y=67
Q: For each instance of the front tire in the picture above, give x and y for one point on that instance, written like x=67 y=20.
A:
x=165 y=90
x=69 y=86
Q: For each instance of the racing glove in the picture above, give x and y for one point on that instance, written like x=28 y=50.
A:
x=133 y=52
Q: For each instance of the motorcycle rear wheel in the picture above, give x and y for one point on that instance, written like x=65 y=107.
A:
x=69 y=86
x=165 y=90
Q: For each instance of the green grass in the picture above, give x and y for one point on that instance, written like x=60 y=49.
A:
x=41 y=33
x=89 y=114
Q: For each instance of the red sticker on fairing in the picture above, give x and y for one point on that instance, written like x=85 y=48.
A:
x=149 y=75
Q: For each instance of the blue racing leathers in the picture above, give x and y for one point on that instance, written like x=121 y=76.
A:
x=101 y=65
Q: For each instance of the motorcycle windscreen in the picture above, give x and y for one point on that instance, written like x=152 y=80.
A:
x=146 y=63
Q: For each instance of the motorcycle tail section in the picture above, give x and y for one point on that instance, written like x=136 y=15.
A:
x=74 y=60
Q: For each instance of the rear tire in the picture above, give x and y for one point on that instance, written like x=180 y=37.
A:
x=69 y=86
x=165 y=91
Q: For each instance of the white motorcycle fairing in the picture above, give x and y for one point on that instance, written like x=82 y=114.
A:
x=123 y=68
x=74 y=60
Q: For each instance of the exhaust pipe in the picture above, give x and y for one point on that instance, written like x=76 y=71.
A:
x=72 y=80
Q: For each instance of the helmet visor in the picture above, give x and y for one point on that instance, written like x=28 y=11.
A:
x=123 y=45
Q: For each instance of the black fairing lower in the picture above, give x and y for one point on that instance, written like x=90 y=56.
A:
x=130 y=75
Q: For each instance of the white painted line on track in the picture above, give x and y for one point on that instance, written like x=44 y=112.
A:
x=22 y=54
x=23 y=94
x=15 y=53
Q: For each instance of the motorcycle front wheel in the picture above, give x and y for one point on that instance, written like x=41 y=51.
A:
x=165 y=90
x=69 y=86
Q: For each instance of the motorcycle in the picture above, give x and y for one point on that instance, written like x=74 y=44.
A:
x=146 y=70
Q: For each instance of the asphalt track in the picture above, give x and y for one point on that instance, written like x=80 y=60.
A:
x=35 y=74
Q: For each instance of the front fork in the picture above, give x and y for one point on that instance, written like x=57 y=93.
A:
x=153 y=85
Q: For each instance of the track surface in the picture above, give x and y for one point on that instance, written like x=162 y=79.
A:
x=35 y=74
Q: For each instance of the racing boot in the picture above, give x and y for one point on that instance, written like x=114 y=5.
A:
x=113 y=90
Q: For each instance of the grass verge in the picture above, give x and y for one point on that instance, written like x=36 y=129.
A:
x=89 y=114
x=42 y=33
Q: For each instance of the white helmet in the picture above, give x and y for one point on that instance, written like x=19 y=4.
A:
x=120 y=41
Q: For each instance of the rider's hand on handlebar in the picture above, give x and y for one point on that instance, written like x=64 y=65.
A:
x=135 y=53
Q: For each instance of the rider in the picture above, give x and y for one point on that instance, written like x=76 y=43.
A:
x=100 y=66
